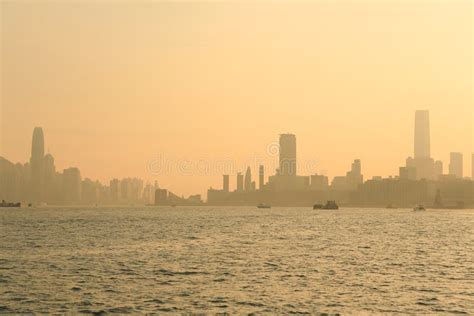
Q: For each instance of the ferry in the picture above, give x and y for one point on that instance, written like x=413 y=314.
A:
x=330 y=205
x=419 y=208
x=6 y=204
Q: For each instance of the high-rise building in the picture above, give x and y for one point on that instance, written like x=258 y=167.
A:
x=319 y=182
x=248 y=180
x=37 y=166
x=356 y=168
x=161 y=196
x=407 y=173
x=126 y=189
x=240 y=182
x=51 y=185
x=115 y=194
x=455 y=165
x=261 y=177
x=355 y=177
x=287 y=155
x=438 y=169
x=422 y=162
x=225 y=184
x=71 y=186
x=422 y=134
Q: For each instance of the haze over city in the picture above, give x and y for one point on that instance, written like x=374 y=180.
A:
x=242 y=157
x=116 y=85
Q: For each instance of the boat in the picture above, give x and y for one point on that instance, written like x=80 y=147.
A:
x=261 y=205
x=330 y=205
x=419 y=208
x=7 y=204
x=390 y=206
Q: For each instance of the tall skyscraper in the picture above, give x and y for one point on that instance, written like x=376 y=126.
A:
x=225 y=183
x=37 y=166
x=248 y=180
x=261 y=177
x=50 y=183
x=287 y=155
x=422 y=134
x=423 y=163
x=356 y=168
x=354 y=177
x=455 y=165
x=240 y=182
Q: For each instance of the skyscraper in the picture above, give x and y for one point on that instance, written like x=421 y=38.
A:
x=261 y=177
x=50 y=184
x=455 y=165
x=422 y=134
x=240 y=182
x=248 y=180
x=287 y=155
x=354 y=177
x=423 y=163
x=37 y=166
x=438 y=169
x=71 y=186
x=225 y=183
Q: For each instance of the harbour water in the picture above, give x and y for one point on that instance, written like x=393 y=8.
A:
x=236 y=260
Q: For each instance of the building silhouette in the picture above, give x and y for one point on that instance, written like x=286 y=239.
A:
x=355 y=177
x=248 y=180
x=422 y=134
x=37 y=166
x=456 y=165
x=426 y=167
x=161 y=196
x=240 y=182
x=115 y=194
x=407 y=173
x=225 y=183
x=287 y=155
x=319 y=183
x=261 y=177
x=71 y=186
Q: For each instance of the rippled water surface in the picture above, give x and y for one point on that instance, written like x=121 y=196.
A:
x=236 y=260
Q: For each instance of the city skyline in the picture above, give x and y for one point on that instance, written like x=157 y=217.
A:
x=217 y=80
x=285 y=162
x=38 y=181
x=236 y=157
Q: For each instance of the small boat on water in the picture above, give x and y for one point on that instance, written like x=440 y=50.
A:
x=330 y=205
x=7 y=204
x=419 y=208
x=261 y=205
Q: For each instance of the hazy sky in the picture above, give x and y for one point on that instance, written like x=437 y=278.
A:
x=117 y=84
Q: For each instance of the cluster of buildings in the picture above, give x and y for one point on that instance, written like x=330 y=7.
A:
x=38 y=182
x=421 y=181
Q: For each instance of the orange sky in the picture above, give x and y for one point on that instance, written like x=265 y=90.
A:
x=115 y=85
